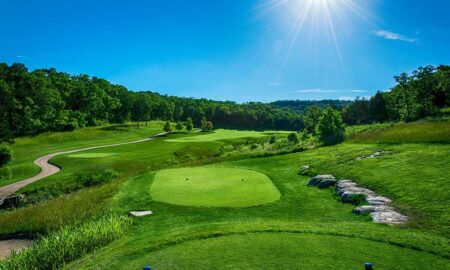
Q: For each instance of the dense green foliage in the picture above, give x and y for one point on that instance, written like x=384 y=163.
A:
x=330 y=127
x=48 y=100
x=423 y=93
x=6 y=155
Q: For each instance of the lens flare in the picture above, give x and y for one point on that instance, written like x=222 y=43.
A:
x=314 y=20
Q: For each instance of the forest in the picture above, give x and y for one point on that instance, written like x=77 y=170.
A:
x=42 y=100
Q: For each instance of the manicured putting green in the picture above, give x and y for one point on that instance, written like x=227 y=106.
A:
x=213 y=187
x=92 y=155
x=288 y=251
x=220 y=134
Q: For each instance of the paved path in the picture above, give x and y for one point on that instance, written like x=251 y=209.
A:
x=48 y=169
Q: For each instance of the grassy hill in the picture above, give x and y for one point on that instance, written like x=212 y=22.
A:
x=305 y=228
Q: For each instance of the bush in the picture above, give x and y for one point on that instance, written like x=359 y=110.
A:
x=5 y=173
x=292 y=137
x=167 y=127
x=88 y=179
x=6 y=155
x=330 y=128
x=254 y=146
x=68 y=244
x=272 y=140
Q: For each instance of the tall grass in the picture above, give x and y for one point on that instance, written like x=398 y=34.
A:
x=67 y=244
x=47 y=216
x=417 y=132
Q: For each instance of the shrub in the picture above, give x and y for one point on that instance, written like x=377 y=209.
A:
x=272 y=140
x=254 y=146
x=94 y=178
x=179 y=126
x=189 y=124
x=330 y=127
x=68 y=244
x=167 y=127
x=6 y=155
x=5 y=173
x=292 y=137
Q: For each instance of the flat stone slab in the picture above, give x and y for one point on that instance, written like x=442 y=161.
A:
x=6 y=246
x=388 y=217
x=140 y=213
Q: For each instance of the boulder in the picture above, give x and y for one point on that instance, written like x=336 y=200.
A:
x=377 y=200
x=326 y=183
x=11 y=201
x=356 y=191
x=319 y=178
x=388 y=217
x=371 y=209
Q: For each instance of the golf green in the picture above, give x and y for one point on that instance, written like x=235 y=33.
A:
x=92 y=155
x=213 y=187
x=219 y=134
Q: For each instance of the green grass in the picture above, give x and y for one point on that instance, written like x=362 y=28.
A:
x=92 y=155
x=414 y=176
x=286 y=251
x=219 y=134
x=417 y=132
x=213 y=187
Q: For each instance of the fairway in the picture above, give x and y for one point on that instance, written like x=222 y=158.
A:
x=213 y=187
x=220 y=134
x=92 y=155
x=288 y=251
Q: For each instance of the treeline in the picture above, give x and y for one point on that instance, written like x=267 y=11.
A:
x=423 y=93
x=47 y=100
x=300 y=106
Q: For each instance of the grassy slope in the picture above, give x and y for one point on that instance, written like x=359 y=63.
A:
x=213 y=187
x=26 y=150
x=285 y=251
x=300 y=210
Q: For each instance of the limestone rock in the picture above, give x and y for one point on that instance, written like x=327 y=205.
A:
x=388 y=217
x=140 y=213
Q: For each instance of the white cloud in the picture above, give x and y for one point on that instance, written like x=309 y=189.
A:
x=359 y=91
x=317 y=90
x=393 y=36
x=23 y=57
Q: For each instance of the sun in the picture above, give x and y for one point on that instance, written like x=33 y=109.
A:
x=315 y=20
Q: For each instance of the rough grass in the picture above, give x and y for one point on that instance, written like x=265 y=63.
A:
x=418 y=132
x=213 y=187
x=52 y=214
x=67 y=244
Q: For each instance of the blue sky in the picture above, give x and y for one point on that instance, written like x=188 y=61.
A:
x=254 y=50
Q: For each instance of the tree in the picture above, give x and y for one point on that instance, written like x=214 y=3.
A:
x=311 y=118
x=189 y=124
x=292 y=137
x=179 y=126
x=206 y=125
x=330 y=127
x=377 y=108
x=6 y=156
x=167 y=127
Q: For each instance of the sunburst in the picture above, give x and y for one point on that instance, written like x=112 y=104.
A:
x=322 y=18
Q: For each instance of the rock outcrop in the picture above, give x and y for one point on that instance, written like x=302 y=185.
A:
x=378 y=207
